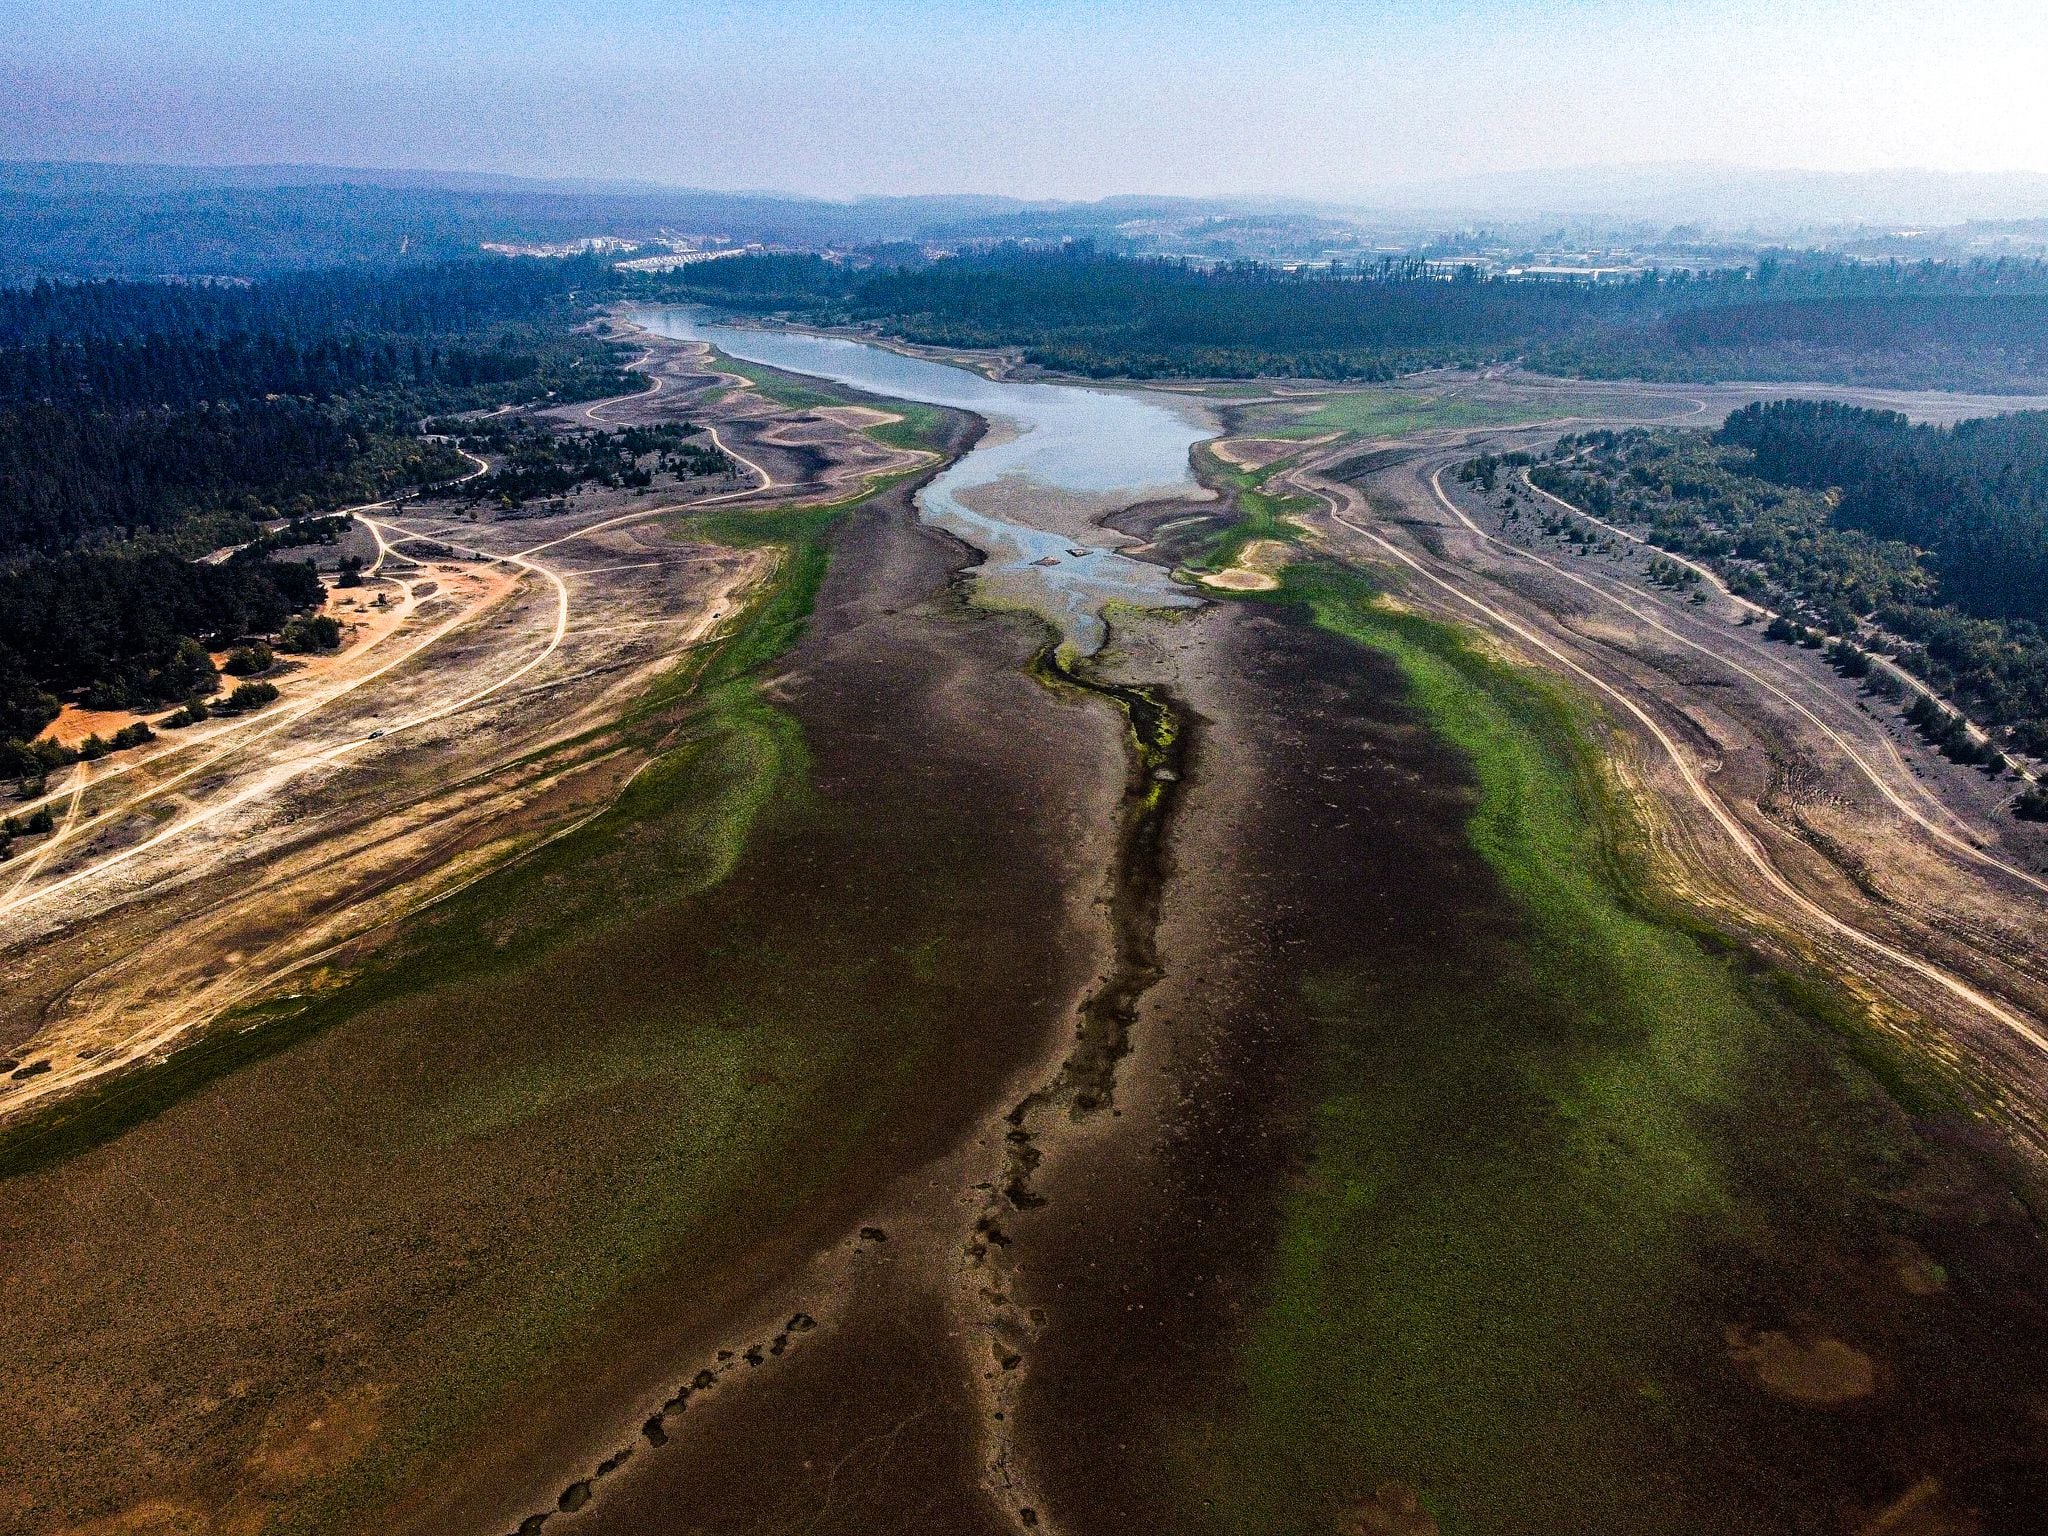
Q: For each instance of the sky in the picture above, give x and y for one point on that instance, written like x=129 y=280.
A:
x=1036 y=98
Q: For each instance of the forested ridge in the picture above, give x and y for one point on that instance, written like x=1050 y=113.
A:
x=143 y=423
x=1926 y=543
x=1982 y=325
x=211 y=471
x=1974 y=496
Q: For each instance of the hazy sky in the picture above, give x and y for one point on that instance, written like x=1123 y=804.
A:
x=1033 y=97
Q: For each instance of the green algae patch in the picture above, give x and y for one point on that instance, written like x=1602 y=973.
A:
x=918 y=426
x=635 y=1034
x=1263 y=518
x=1542 y=1180
x=1393 y=413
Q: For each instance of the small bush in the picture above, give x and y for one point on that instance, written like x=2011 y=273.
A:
x=1848 y=659
x=247 y=697
x=311 y=632
x=249 y=660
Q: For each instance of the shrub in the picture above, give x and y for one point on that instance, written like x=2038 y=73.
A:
x=31 y=762
x=247 y=697
x=310 y=632
x=248 y=660
x=1848 y=659
x=187 y=674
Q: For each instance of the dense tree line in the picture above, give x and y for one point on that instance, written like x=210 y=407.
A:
x=73 y=476
x=1974 y=496
x=128 y=631
x=111 y=627
x=144 y=423
x=1080 y=310
x=133 y=407
x=178 y=371
x=451 y=298
x=1871 y=532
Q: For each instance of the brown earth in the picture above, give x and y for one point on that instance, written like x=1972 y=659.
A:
x=999 y=1284
x=200 y=872
x=1940 y=916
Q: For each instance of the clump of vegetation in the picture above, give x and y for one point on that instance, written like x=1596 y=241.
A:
x=296 y=534
x=310 y=632
x=537 y=461
x=1484 y=471
x=249 y=660
x=35 y=824
x=247 y=697
x=1848 y=658
x=1950 y=734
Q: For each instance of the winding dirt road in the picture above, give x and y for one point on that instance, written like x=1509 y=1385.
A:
x=1348 y=509
x=222 y=746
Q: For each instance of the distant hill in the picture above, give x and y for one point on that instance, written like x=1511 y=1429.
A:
x=69 y=219
x=87 y=220
x=1731 y=197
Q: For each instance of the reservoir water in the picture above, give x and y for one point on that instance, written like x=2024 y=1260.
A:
x=1057 y=458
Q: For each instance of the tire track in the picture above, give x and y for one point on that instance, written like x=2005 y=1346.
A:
x=1738 y=835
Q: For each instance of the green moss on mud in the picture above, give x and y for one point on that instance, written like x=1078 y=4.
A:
x=1261 y=514
x=921 y=426
x=1394 y=413
x=1504 y=1277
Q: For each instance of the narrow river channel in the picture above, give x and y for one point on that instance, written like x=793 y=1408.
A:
x=1029 y=496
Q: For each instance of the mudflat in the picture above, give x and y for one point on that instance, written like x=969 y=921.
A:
x=1269 y=1075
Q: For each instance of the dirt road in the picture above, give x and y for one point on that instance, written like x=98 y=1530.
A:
x=214 y=779
x=1911 y=943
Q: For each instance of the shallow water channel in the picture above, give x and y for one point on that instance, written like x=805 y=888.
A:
x=1057 y=458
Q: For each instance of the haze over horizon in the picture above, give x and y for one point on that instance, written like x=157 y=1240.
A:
x=1040 y=99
